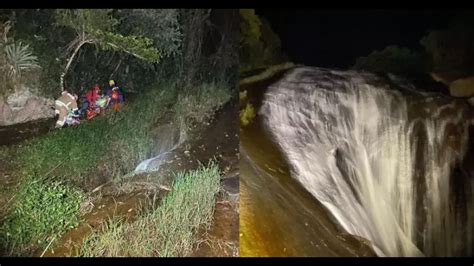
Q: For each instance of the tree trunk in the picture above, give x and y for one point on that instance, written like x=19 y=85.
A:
x=61 y=81
x=193 y=25
x=226 y=59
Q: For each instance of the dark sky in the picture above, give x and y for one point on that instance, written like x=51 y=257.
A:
x=335 y=38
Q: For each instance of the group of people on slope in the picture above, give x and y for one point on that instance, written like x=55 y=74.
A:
x=93 y=103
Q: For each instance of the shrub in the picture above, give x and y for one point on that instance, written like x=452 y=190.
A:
x=44 y=209
x=394 y=60
x=247 y=114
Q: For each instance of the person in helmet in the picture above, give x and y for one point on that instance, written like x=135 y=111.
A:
x=65 y=105
x=115 y=95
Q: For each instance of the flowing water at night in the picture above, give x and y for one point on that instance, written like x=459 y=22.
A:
x=385 y=163
x=168 y=140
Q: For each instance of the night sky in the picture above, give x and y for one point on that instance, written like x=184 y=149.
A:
x=335 y=38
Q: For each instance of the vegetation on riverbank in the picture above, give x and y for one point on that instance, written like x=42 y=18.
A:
x=170 y=229
x=74 y=155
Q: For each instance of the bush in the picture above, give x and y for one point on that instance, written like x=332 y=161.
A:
x=17 y=58
x=42 y=209
x=247 y=114
x=394 y=60
x=450 y=50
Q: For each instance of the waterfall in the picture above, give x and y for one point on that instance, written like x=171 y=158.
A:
x=380 y=156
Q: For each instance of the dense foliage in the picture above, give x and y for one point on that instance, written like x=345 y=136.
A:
x=447 y=52
x=259 y=45
x=135 y=47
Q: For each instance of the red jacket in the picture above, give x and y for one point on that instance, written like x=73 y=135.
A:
x=92 y=96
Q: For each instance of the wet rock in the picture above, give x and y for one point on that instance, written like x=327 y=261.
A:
x=230 y=186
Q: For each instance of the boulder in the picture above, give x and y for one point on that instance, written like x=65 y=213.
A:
x=24 y=106
x=462 y=87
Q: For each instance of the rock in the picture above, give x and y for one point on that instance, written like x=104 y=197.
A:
x=230 y=187
x=471 y=101
x=24 y=106
x=462 y=87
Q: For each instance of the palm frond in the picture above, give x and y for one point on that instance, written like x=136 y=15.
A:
x=19 y=58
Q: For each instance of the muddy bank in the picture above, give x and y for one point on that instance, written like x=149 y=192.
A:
x=221 y=240
x=13 y=134
x=125 y=206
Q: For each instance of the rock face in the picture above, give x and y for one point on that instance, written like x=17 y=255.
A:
x=462 y=87
x=23 y=106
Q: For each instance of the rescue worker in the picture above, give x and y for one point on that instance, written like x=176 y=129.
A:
x=115 y=95
x=92 y=96
x=65 y=105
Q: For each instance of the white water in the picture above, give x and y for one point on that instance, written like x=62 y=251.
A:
x=352 y=143
x=169 y=138
x=157 y=161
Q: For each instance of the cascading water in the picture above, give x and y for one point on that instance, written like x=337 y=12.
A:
x=169 y=138
x=381 y=160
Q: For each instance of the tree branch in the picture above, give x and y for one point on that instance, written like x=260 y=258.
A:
x=125 y=50
x=116 y=68
x=68 y=65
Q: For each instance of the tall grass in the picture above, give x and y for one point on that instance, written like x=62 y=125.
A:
x=170 y=229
